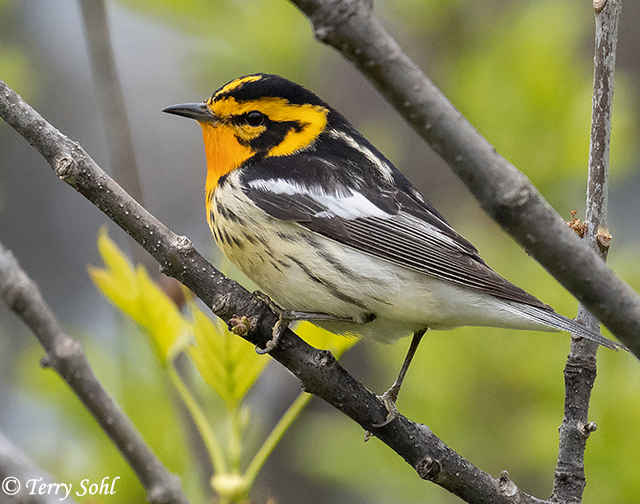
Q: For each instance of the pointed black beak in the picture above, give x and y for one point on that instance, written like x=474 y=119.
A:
x=198 y=111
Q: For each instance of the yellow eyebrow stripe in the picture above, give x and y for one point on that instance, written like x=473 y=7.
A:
x=311 y=118
x=237 y=83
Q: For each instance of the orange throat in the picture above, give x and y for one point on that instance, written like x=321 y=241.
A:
x=224 y=153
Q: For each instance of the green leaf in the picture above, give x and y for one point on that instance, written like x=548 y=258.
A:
x=227 y=363
x=139 y=297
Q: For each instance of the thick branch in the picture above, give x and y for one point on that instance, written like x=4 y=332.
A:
x=502 y=190
x=318 y=371
x=580 y=370
x=67 y=358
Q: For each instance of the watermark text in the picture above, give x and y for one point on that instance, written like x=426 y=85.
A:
x=35 y=486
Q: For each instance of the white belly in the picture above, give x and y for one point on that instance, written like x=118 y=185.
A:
x=304 y=271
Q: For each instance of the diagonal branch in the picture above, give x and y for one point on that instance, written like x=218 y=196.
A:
x=125 y=169
x=66 y=357
x=318 y=370
x=502 y=190
x=580 y=370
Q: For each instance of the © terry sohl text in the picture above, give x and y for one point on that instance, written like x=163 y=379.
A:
x=105 y=487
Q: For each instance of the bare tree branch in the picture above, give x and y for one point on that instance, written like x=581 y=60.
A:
x=67 y=358
x=114 y=110
x=318 y=370
x=16 y=470
x=502 y=190
x=111 y=97
x=123 y=162
x=580 y=370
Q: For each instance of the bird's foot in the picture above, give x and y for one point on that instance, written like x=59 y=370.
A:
x=389 y=399
x=286 y=317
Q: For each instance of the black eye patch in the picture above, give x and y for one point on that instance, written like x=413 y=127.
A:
x=254 y=118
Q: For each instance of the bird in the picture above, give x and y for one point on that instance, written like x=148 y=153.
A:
x=333 y=233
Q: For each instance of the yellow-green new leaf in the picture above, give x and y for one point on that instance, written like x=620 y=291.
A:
x=136 y=295
x=227 y=363
x=117 y=279
x=160 y=316
x=320 y=338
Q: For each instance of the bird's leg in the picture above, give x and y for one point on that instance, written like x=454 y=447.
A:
x=390 y=397
x=285 y=317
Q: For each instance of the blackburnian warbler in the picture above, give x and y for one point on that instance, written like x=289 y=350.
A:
x=317 y=217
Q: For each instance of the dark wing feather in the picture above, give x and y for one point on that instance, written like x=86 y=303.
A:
x=402 y=240
x=300 y=208
x=405 y=231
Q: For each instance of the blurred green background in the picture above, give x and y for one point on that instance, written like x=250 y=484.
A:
x=520 y=71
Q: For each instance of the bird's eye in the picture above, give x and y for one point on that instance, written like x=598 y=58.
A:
x=255 y=118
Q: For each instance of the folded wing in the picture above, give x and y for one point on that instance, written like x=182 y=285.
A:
x=388 y=223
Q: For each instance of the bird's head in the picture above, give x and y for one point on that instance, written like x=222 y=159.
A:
x=258 y=115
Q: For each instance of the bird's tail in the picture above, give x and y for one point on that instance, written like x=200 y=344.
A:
x=553 y=319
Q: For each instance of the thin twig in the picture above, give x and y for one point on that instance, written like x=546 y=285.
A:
x=502 y=190
x=66 y=357
x=111 y=98
x=580 y=370
x=114 y=110
x=318 y=370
